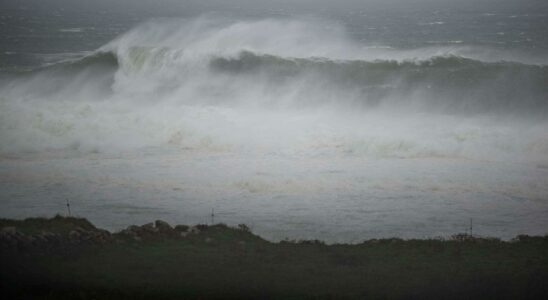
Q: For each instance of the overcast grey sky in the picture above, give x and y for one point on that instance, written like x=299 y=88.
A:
x=171 y=5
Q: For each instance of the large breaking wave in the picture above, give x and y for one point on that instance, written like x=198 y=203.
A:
x=279 y=86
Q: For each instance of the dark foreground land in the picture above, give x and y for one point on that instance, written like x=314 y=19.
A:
x=68 y=258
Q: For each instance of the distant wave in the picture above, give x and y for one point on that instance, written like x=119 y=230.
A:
x=94 y=59
x=249 y=60
x=448 y=82
x=220 y=85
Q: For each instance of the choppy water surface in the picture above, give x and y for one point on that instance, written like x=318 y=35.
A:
x=302 y=126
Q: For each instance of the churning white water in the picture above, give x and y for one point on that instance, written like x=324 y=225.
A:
x=287 y=125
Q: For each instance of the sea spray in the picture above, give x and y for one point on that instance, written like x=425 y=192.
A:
x=292 y=125
x=215 y=84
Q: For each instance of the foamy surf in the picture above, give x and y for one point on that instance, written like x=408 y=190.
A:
x=295 y=126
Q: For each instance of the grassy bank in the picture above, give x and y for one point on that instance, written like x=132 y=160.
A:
x=75 y=260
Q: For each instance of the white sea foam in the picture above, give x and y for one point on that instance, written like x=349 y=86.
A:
x=72 y=30
x=165 y=93
x=292 y=114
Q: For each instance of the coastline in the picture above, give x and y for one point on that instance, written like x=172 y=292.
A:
x=69 y=258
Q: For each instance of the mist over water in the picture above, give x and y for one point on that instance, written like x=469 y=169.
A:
x=290 y=124
x=175 y=83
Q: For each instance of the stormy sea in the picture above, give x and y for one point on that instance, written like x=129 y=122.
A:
x=304 y=122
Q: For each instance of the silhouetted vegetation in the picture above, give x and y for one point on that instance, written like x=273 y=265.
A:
x=157 y=261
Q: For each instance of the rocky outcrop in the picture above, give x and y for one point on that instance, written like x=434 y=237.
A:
x=163 y=226
x=80 y=235
x=181 y=228
x=157 y=230
x=13 y=239
x=194 y=230
x=66 y=232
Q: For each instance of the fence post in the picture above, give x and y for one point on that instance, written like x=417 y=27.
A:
x=471 y=232
x=68 y=208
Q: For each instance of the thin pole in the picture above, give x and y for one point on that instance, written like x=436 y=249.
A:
x=212 y=216
x=471 y=232
x=68 y=208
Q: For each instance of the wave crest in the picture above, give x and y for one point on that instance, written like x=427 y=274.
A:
x=226 y=86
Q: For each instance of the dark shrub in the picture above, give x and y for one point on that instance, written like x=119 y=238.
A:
x=244 y=228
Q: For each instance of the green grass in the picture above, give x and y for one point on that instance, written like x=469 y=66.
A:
x=58 y=224
x=234 y=263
